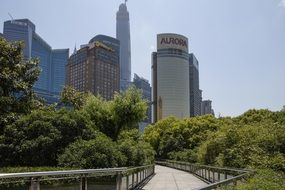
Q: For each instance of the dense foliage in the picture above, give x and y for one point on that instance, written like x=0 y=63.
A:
x=85 y=133
x=264 y=179
x=17 y=76
x=255 y=139
x=85 y=137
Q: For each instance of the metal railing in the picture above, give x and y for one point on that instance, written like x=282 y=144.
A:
x=214 y=176
x=124 y=178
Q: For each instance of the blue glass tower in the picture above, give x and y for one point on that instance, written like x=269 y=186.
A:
x=144 y=86
x=52 y=62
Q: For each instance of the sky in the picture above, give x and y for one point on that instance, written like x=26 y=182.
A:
x=240 y=44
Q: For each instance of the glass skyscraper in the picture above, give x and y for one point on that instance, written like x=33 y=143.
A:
x=195 y=93
x=144 y=86
x=123 y=34
x=52 y=62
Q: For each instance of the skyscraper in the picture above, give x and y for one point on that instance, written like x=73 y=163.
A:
x=144 y=86
x=123 y=35
x=195 y=94
x=170 y=77
x=206 y=107
x=52 y=62
x=95 y=67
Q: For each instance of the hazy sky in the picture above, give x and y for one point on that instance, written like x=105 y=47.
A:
x=240 y=44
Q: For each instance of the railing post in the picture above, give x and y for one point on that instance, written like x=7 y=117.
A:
x=219 y=176
x=83 y=183
x=137 y=178
x=35 y=184
x=209 y=175
x=133 y=180
x=127 y=181
x=119 y=181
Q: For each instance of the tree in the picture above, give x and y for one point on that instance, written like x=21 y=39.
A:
x=100 y=152
x=70 y=96
x=111 y=117
x=17 y=77
x=128 y=108
x=38 y=138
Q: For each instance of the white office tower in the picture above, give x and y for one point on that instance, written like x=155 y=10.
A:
x=170 y=77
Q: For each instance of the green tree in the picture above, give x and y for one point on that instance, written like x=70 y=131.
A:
x=37 y=138
x=135 y=149
x=100 y=152
x=128 y=108
x=71 y=97
x=17 y=77
x=112 y=117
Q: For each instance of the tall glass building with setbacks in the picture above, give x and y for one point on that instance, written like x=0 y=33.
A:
x=123 y=35
x=195 y=93
x=52 y=62
x=170 y=77
x=144 y=86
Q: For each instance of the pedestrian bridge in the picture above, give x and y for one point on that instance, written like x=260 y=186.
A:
x=166 y=175
x=166 y=178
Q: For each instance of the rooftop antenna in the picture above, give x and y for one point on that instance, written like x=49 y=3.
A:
x=12 y=19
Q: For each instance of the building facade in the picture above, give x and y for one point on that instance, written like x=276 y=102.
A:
x=52 y=62
x=206 y=107
x=95 y=67
x=123 y=35
x=144 y=86
x=195 y=94
x=170 y=77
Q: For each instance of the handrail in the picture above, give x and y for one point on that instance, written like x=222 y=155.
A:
x=64 y=172
x=132 y=176
x=224 y=182
x=214 y=176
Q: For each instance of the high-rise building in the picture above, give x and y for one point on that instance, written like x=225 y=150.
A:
x=1 y=35
x=144 y=86
x=200 y=100
x=195 y=94
x=123 y=35
x=206 y=107
x=170 y=77
x=95 y=67
x=52 y=62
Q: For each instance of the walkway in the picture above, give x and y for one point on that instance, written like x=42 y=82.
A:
x=172 y=179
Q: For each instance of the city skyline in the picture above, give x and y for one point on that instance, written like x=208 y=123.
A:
x=239 y=45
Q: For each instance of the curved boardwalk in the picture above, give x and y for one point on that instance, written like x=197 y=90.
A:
x=171 y=179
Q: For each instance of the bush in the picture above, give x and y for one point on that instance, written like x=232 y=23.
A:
x=37 y=139
x=135 y=149
x=100 y=152
x=262 y=180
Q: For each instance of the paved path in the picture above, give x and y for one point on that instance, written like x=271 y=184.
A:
x=172 y=179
